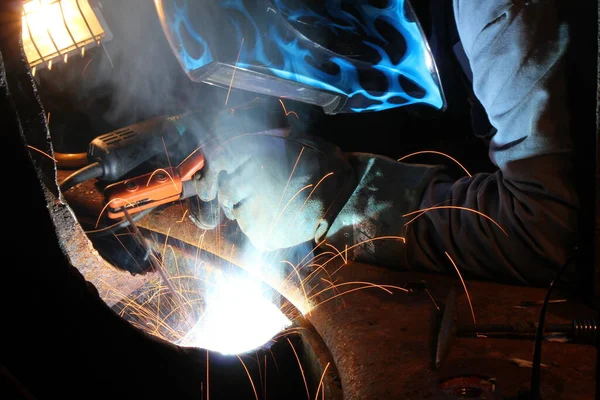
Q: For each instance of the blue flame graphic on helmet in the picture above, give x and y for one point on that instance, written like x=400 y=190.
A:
x=299 y=58
x=179 y=24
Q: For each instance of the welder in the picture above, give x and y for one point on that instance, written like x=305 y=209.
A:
x=517 y=224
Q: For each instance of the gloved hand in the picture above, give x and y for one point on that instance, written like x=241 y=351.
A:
x=281 y=189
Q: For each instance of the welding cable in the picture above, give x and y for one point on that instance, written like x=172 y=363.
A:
x=124 y=223
x=71 y=160
x=534 y=390
x=90 y=171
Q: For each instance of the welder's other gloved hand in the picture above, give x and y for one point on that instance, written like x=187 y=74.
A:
x=281 y=189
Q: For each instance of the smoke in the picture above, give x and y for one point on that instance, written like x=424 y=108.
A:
x=136 y=75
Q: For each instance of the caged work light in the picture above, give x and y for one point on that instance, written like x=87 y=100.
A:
x=54 y=30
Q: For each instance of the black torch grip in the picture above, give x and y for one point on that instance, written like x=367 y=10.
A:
x=124 y=149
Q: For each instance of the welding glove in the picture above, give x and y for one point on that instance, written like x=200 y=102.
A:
x=282 y=189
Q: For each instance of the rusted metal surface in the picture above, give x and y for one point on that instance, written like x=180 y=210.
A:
x=384 y=344
x=112 y=284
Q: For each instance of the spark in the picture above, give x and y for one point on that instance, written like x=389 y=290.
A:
x=424 y=210
x=297 y=268
x=156 y=264
x=86 y=66
x=301 y=369
x=465 y=287
x=249 y=376
x=312 y=251
x=304 y=205
x=288 y=331
x=419 y=214
x=345 y=258
x=260 y=376
x=161 y=170
x=310 y=195
x=207 y=376
x=402 y=239
x=286 y=111
x=321 y=381
x=432 y=299
x=46 y=154
x=176 y=266
x=165 y=244
x=439 y=153
x=301 y=284
x=285 y=208
x=290 y=177
x=106 y=206
x=265 y=385
x=166 y=151
x=366 y=286
x=233 y=73
x=107 y=55
x=128 y=252
x=183 y=217
x=334 y=287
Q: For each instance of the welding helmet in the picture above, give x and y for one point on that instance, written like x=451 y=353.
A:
x=341 y=55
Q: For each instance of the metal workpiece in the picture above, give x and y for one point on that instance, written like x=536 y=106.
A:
x=229 y=243
x=110 y=282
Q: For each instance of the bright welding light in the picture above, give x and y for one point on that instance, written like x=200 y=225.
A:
x=239 y=317
x=53 y=29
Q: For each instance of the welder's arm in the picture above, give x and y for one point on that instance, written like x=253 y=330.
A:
x=515 y=49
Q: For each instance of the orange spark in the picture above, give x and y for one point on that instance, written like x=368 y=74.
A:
x=301 y=284
x=424 y=210
x=301 y=370
x=464 y=286
x=249 y=376
x=309 y=196
x=436 y=152
x=368 y=284
x=321 y=382
x=432 y=299
x=166 y=172
x=166 y=151
x=334 y=287
x=284 y=208
x=359 y=288
x=233 y=73
x=46 y=154
x=207 y=387
x=339 y=252
x=363 y=242
x=265 y=386
x=418 y=215
x=183 y=217
x=290 y=177
x=106 y=206
x=286 y=111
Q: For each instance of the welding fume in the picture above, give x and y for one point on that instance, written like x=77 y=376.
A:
x=248 y=162
x=360 y=57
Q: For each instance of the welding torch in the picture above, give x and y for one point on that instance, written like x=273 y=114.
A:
x=117 y=155
x=113 y=155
